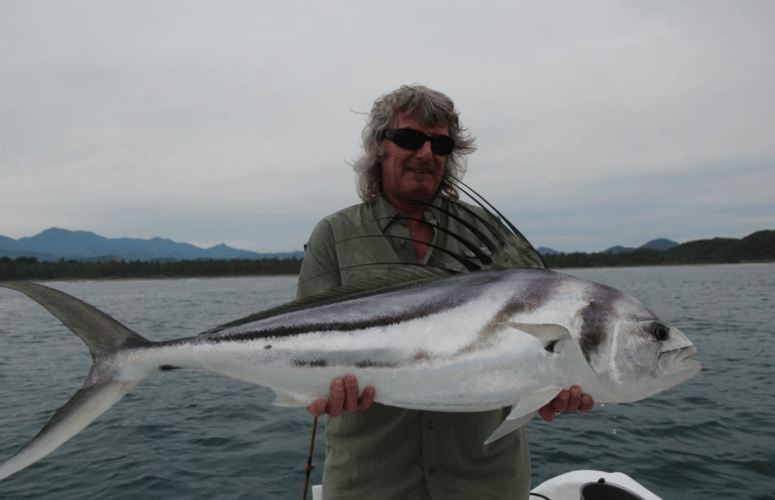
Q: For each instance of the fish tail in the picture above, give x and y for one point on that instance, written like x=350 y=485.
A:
x=104 y=337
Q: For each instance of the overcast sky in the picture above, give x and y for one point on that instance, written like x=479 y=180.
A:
x=598 y=122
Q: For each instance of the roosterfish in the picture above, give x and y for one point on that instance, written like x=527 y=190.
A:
x=469 y=342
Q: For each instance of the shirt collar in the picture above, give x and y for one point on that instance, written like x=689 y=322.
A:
x=385 y=213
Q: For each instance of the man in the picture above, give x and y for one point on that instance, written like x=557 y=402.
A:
x=414 y=147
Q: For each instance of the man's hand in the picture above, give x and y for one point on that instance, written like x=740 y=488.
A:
x=567 y=400
x=343 y=397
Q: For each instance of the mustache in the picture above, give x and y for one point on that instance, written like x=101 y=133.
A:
x=429 y=165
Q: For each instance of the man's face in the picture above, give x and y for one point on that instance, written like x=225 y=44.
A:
x=412 y=176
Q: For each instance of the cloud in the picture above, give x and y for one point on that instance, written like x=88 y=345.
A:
x=235 y=121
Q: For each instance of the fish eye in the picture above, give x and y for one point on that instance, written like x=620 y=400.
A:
x=660 y=332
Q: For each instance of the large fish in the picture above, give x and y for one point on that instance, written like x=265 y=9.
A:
x=467 y=343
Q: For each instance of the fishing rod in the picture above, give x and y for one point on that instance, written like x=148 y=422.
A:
x=309 y=465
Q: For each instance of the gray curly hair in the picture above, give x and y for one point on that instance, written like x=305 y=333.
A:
x=431 y=108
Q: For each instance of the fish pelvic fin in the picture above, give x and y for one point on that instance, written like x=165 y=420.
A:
x=521 y=413
x=104 y=337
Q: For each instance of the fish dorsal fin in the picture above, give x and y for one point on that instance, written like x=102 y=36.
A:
x=513 y=249
x=525 y=409
x=396 y=279
x=400 y=276
x=551 y=336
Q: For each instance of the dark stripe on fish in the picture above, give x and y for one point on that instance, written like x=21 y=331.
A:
x=531 y=298
x=595 y=317
x=440 y=303
x=374 y=364
x=313 y=363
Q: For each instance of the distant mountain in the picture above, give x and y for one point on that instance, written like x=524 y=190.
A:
x=6 y=242
x=756 y=247
x=619 y=249
x=660 y=245
x=55 y=244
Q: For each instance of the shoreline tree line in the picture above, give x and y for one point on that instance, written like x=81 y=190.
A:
x=757 y=247
x=30 y=268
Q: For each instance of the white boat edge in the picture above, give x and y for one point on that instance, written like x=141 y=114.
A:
x=567 y=486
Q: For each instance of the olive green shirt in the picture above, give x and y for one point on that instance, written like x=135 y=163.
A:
x=393 y=453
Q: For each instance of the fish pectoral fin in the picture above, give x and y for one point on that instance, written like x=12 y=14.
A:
x=525 y=409
x=551 y=336
x=85 y=406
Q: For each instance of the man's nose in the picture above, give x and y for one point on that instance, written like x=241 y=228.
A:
x=425 y=150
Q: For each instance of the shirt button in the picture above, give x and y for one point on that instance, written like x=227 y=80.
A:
x=432 y=472
x=431 y=425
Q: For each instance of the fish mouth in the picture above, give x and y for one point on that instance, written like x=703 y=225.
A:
x=679 y=362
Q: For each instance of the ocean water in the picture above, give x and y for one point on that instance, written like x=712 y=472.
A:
x=194 y=435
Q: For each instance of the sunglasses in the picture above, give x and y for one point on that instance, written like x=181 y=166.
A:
x=413 y=140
